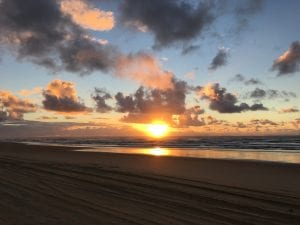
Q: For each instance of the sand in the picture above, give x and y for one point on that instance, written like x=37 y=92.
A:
x=55 y=185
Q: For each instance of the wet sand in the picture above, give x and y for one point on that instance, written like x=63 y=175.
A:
x=55 y=185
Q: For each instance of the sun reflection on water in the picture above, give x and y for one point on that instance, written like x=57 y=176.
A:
x=157 y=151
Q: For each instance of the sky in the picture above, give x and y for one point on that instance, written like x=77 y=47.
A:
x=110 y=68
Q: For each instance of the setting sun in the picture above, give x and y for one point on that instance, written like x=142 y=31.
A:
x=157 y=129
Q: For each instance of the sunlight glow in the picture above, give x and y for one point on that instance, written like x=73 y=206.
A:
x=158 y=151
x=157 y=130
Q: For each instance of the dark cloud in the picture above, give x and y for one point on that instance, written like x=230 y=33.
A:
x=242 y=79
x=219 y=60
x=288 y=62
x=38 y=31
x=190 y=48
x=14 y=108
x=244 y=10
x=191 y=117
x=180 y=22
x=100 y=96
x=253 y=81
x=238 y=78
x=61 y=96
x=170 y=21
x=225 y=102
x=148 y=104
x=154 y=100
x=259 y=93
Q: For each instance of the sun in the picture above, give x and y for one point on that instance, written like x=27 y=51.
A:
x=157 y=129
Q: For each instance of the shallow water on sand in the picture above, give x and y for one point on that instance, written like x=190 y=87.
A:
x=271 y=148
x=258 y=155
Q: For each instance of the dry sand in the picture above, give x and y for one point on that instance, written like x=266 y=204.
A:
x=56 y=186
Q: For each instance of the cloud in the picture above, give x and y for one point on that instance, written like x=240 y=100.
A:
x=86 y=16
x=190 y=75
x=51 y=39
x=191 y=117
x=220 y=59
x=189 y=49
x=61 y=96
x=253 y=81
x=48 y=118
x=186 y=20
x=242 y=79
x=289 y=110
x=244 y=10
x=288 y=62
x=238 y=78
x=40 y=32
x=170 y=21
x=36 y=90
x=225 y=102
x=263 y=122
x=25 y=128
x=148 y=104
x=13 y=107
x=241 y=125
x=100 y=96
x=145 y=69
x=296 y=122
x=213 y=121
x=70 y=117
x=259 y=93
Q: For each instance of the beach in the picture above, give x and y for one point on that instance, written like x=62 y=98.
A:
x=57 y=185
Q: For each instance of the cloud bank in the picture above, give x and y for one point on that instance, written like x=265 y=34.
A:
x=38 y=31
x=242 y=79
x=224 y=102
x=14 y=108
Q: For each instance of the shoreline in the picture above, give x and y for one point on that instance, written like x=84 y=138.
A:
x=168 y=165
x=255 y=155
x=56 y=185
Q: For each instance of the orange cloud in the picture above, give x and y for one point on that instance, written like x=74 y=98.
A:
x=209 y=91
x=14 y=106
x=86 y=16
x=33 y=91
x=61 y=96
x=145 y=69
